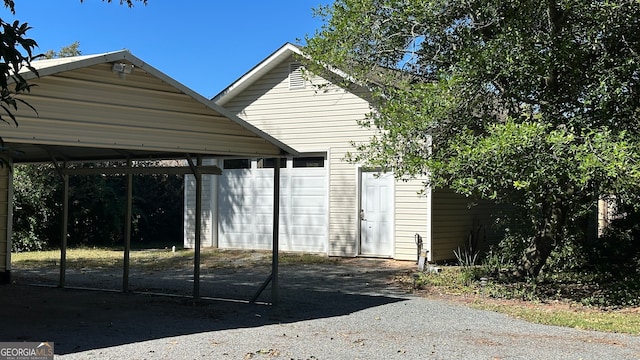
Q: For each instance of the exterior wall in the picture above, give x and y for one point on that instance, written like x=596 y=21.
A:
x=411 y=218
x=325 y=120
x=6 y=218
x=312 y=120
x=453 y=220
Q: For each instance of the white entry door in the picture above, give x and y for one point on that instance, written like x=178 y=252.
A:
x=376 y=214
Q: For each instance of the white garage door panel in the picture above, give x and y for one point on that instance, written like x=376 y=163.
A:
x=307 y=201
x=238 y=241
x=246 y=214
x=310 y=231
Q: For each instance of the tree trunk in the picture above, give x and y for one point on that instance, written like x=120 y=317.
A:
x=545 y=241
x=535 y=257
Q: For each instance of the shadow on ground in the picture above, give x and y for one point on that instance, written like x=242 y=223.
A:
x=79 y=320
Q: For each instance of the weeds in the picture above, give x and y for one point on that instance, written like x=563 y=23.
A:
x=575 y=300
x=466 y=257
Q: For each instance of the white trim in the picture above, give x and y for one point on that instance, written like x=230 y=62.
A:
x=429 y=225
x=358 y=224
x=428 y=237
x=327 y=191
x=393 y=213
x=267 y=65
x=214 y=205
x=252 y=75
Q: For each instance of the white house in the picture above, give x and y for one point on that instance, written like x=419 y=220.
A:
x=328 y=205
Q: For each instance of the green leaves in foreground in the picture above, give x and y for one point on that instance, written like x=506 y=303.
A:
x=536 y=162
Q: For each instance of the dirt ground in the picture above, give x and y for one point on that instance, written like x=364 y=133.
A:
x=351 y=308
x=92 y=305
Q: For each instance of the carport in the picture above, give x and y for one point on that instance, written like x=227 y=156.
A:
x=115 y=107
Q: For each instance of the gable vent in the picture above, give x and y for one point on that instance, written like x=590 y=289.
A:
x=296 y=79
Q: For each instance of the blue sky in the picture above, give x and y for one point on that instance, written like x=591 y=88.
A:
x=204 y=44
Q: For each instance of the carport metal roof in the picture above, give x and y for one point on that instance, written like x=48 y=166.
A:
x=114 y=106
x=87 y=111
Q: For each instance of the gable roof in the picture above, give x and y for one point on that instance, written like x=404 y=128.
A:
x=266 y=65
x=85 y=112
x=280 y=55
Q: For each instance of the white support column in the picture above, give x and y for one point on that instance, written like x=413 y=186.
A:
x=214 y=205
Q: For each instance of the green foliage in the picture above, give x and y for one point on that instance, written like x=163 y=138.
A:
x=96 y=209
x=530 y=104
x=466 y=258
x=66 y=51
x=16 y=53
x=130 y=3
x=158 y=206
x=36 y=203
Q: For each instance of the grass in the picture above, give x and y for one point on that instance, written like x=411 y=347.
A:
x=160 y=259
x=525 y=301
x=580 y=317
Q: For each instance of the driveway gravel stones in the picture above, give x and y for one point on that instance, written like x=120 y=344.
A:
x=349 y=310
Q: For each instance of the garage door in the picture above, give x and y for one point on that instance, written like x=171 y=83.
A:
x=246 y=205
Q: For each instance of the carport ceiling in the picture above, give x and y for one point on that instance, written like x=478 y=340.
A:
x=87 y=110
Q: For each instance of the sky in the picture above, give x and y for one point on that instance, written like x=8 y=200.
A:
x=203 y=44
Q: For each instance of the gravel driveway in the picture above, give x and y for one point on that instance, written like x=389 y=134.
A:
x=349 y=310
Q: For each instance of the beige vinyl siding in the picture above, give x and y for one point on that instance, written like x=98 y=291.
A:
x=312 y=120
x=343 y=205
x=306 y=119
x=5 y=218
x=411 y=218
x=453 y=220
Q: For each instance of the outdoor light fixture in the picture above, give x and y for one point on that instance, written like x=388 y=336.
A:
x=122 y=69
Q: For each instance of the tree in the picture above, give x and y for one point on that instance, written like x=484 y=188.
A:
x=527 y=103
x=16 y=53
x=66 y=51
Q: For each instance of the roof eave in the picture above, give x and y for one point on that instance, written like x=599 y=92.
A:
x=256 y=72
x=125 y=55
